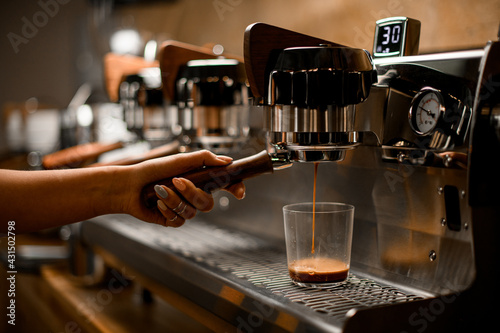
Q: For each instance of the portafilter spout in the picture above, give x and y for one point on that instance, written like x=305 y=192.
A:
x=210 y=179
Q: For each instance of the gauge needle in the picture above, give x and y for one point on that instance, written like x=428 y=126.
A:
x=429 y=112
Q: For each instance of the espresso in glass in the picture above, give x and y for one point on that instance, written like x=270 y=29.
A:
x=318 y=270
x=318 y=256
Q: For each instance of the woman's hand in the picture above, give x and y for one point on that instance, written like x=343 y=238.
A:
x=172 y=209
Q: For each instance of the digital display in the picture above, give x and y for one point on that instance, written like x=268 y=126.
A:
x=396 y=36
x=389 y=39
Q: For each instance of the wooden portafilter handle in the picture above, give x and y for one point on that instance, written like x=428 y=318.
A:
x=210 y=179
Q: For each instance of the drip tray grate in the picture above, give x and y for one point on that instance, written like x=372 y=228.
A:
x=238 y=256
x=268 y=270
x=247 y=257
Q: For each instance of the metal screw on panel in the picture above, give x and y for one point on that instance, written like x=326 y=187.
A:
x=432 y=255
x=466 y=226
x=462 y=193
x=447 y=160
x=401 y=157
x=443 y=221
x=440 y=190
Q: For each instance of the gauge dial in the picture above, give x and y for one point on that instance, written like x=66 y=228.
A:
x=426 y=108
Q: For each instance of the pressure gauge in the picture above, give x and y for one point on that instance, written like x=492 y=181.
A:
x=396 y=37
x=427 y=107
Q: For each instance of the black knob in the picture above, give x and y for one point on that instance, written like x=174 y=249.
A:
x=321 y=76
x=211 y=82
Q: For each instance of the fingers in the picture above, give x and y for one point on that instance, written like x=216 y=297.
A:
x=180 y=204
x=210 y=159
x=172 y=219
x=238 y=190
x=173 y=165
x=200 y=200
x=175 y=210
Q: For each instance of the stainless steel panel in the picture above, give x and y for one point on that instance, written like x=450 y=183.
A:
x=203 y=262
x=398 y=216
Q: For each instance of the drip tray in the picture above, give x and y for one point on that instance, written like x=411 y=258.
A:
x=202 y=262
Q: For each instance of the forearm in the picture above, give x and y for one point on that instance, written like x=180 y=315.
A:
x=42 y=199
x=38 y=200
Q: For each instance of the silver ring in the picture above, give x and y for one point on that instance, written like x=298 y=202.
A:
x=183 y=209
x=176 y=209
x=175 y=218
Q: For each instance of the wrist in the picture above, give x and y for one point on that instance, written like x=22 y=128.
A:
x=111 y=197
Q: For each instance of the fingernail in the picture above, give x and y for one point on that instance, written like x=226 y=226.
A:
x=224 y=158
x=242 y=196
x=161 y=205
x=161 y=191
x=179 y=184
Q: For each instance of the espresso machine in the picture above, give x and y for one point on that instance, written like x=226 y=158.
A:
x=409 y=139
x=192 y=97
x=209 y=95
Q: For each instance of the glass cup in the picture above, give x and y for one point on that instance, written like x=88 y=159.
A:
x=318 y=242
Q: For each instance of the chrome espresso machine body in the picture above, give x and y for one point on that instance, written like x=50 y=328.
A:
x=415 y=144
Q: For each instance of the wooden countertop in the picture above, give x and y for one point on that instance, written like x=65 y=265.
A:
x=54 y=301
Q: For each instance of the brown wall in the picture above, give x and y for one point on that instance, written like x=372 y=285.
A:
x=446 y=24
x=68 y=48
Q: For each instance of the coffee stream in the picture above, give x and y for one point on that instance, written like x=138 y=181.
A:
x=317 y=269
x=314 y=203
